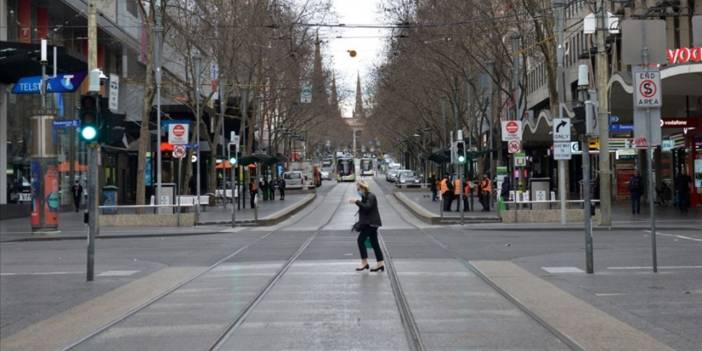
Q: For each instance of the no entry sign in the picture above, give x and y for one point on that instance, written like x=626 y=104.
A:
x=178 y=133
x=511 y=130
x=647 y=84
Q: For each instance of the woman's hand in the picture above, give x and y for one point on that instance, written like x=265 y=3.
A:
x=352 y=200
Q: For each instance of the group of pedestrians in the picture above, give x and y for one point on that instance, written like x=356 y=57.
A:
x=682 y=192
x=456 y=189
x=266 y=187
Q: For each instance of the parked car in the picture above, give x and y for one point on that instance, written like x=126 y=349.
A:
x=408 y=178
x=326 y=175
x=293 y=180
x=391 y=175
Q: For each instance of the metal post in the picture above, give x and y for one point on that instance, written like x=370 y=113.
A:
x=234 y=188
x=651 y=174
x=158 y=31
x=222 y=102
x=177 y=192
x=602 y=80
x=93 y=149
x=559 y=8
x=587 y=205
x=196 y=68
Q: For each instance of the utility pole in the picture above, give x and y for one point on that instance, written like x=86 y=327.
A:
x=93 y=150
x=515 y=86
x=559 y=8
x=158 y=44
x=602 y=80
x=196 y=68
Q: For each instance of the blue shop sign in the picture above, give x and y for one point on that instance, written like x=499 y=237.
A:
x=62 y=83
x=621 y=128
x=67 y=123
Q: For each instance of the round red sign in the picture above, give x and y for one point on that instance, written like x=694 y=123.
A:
x=178 y=130
x=512 y=127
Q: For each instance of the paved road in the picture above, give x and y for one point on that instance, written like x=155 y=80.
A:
x=293 y=286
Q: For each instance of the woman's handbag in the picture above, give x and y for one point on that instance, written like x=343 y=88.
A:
x=356 y=227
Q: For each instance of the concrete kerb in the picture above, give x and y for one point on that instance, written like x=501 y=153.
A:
x=431 y=218
x=286 y=213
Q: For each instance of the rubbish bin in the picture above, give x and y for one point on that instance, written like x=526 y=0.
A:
x=109 y=196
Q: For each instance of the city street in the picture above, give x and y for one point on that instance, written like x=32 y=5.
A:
x=293 y=286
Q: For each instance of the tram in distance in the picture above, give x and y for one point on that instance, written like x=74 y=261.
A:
x=345 y=170
x=367 y=167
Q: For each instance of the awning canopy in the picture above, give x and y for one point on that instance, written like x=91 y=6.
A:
x=21 y=60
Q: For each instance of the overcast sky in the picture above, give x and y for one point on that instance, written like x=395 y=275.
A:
x=368 y=43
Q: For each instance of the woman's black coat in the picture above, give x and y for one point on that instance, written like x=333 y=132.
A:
x=368 y=211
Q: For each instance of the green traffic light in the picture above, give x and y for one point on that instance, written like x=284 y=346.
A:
x=461 y=159
x=88 y=133
x=233 y=160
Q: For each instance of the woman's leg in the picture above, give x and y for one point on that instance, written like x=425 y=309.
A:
x=373 y=233
x=361 y=244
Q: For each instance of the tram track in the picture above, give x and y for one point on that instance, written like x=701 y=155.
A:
x=248 y=307
x=564 y=339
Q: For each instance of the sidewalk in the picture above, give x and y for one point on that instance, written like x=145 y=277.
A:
x=213 y=220
x=269 y=212
x=420 y=204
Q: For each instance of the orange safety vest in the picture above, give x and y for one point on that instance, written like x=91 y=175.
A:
x=443 y=186
x=486 y=186
x=457 y=187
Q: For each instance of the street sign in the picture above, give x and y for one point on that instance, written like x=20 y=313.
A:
x=306 y=93
x=561 y=129
x=561 y=151
x=668 y=145
x=647 y=88
x=520 y=159
x=66 y=123
x=511 y=130
x=179 y=151
x=575 y=148
x=178 y=133
x=114 y=93
x=514 y=146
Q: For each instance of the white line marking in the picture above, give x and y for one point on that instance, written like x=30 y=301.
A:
x=39 y=273
x=649 y=267
x=117 y=273
x=609 y=294
x=558 y=270
x=676 y=236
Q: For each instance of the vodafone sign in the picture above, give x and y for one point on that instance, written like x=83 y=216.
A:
x=684 y=55
x=511 y=130
x=178 y=133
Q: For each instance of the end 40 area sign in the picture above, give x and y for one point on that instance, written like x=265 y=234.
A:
x=647 y=85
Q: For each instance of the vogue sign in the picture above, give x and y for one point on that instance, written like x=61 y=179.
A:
x=684 y=55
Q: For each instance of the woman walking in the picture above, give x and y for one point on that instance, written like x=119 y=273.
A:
x=368 y=224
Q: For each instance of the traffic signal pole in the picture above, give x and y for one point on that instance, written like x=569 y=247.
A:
x=93 y=149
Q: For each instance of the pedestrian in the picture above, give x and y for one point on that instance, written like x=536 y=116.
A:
x=367 y=226
x=635 y=190
x=506 y=187
x=682 y=187
x=77 y=191
x=281 y=187
x=466 y=195
x=445 y=193
x=253 y=190
x=457 y=192
x=485 y=191
x=434 y=187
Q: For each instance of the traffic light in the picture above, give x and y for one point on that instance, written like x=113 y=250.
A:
x=233 y=152
x=88 y=119
x=461 y=152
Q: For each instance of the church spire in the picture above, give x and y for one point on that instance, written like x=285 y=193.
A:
x=334 y=98
x=358 y=108
x=317 y=74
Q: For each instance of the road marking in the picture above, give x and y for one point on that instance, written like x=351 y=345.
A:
x=38 y=273
x=559 y=270
x=117 y=273
x=649 y=267
x=676 y=236
x=609 y=294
